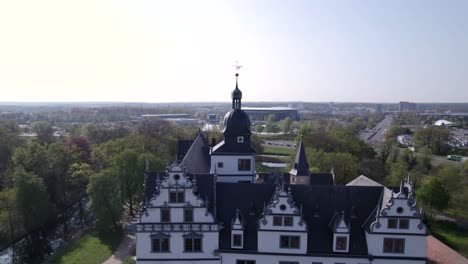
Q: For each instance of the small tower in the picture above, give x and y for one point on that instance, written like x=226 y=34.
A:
x=233 y=158
x=300 y=173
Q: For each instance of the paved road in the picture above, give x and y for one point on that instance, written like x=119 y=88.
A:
x=279 y=144
x=376 y=135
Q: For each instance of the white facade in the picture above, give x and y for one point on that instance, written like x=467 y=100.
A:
x=227 y=168
x=282 y=232
x=398 y=229
x=186 y=217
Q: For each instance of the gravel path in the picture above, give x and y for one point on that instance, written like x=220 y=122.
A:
x=126 y=248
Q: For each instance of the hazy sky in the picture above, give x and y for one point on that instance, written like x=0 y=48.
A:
x=162 y=51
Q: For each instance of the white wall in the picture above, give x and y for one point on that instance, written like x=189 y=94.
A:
x=230 y=164
x=415 y=246
x=176 y=248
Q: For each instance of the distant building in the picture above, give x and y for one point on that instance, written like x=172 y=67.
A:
x=443 y=122
x=407 y=107
x=262 y=113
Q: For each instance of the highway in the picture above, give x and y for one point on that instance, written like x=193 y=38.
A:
x=376 y=135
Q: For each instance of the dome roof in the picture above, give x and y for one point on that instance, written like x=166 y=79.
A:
x=236 y=123
x=236 y=94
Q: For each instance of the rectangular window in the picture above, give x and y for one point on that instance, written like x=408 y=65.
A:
x=244 y=261
x=404 y=224
x=289 y=242
x=288 y=221
x=341 y=243
x=277 y=220
x=244 y=165
x=193 y=245
x=237 y=240
x=165 y=215
x=394 y=245
x=188 y=215
x=220 y=164
x=160 y=245
x=176 y=196
x=392 y=223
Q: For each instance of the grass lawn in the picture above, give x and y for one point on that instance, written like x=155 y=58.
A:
x=457 y=213
x=278 y=151
x=93 y=247
x=452 y=235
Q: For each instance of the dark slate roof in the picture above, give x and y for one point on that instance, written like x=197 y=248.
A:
x=197 y=158
x=321 y=178
x=182 y=147
x=300 y=165
x=357 y=201
x=236 y=123
x=249 y=199
x=224 y=148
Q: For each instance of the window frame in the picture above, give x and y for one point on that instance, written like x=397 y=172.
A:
x=241 y=242
x=245 y=261
x=289 y=242
x=345 y=247
x=393 y=245
x=404 y=220
x=277 y=218
x=392 y=223
x=179 y=195
x=244 y=164
x=286 y=223
x=186 y=210
x=165 y=212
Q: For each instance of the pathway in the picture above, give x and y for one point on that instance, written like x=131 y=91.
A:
x=126 y=247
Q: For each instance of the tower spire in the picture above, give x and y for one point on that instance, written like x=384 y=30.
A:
x=236 y=95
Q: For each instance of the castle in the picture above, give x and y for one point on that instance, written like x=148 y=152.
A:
x=211 y=206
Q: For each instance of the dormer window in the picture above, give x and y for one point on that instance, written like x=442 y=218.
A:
x=341 y=243
x=237 y=240
x=177 y=196
x=240 y=139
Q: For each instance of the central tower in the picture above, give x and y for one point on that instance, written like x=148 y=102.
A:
x=233 y=159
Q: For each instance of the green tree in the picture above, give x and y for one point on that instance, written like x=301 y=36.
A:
x=9 y=141
x=433 y=194
x=44 y=131
x=434 y=137
x=9 y=217
x=286 y=124
x=31 y=199
x=104 y=198
x=398 y=172
x=259 y=128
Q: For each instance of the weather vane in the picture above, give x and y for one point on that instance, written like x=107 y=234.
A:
x=237 y=66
